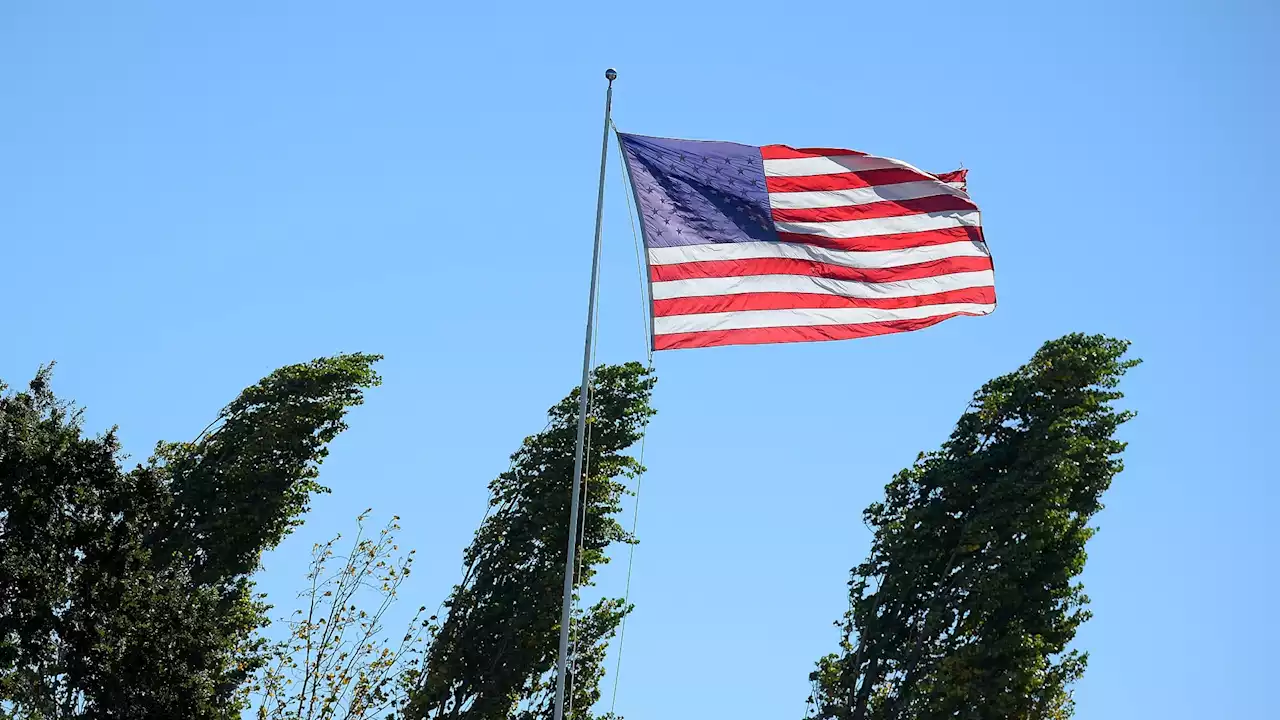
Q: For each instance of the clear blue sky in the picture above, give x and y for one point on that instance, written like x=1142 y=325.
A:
x=190 y=197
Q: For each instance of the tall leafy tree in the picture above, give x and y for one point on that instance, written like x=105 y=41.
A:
x=126 y=594
x=968 y=601
x=495 y=653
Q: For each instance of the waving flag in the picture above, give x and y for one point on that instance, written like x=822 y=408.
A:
x=776 y=244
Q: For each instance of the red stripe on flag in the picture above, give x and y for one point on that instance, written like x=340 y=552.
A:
x=786 y=152
x=792 y=266
x=955 y=176
x=810 y=333
x=896 y=241
x=786 y=301
x=845 y=181
x=882 y=209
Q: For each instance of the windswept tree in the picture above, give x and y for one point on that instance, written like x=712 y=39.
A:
x=968 y=602
x=127 y=594
x=495 y=654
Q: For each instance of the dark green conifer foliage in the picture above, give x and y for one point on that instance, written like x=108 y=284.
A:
x=968 y=601
x=495 y=655
x=126 y=594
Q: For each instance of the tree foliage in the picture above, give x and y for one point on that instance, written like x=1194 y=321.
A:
x=968 y=602
x=126 y=594
x=337 y=663
x=496 y=650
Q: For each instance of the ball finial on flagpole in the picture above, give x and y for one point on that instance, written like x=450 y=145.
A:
x=611 y=74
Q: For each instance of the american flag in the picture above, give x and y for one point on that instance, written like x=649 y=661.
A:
x=776 y=244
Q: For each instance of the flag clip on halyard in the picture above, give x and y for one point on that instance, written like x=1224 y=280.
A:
x=773 y=244
x=566 y=609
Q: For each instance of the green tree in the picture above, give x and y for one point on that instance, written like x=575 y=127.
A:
x=495 y=654
x=968 y=602
x=126 y=594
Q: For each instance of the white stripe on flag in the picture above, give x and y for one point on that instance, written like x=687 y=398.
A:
x=862 y=196
x=802 y=167
x=706 y=287
x=746 y=319
x=795 y=251
x=885 y=226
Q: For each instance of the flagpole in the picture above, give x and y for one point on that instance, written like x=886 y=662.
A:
x=566 y=608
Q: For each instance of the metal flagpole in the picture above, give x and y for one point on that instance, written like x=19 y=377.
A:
x=567 y=607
